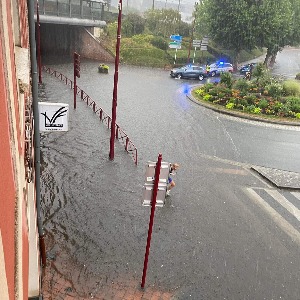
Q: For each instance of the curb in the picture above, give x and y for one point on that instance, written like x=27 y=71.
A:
x=280 y=178
x=240 y=114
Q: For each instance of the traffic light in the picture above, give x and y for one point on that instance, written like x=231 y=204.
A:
x=76 y=65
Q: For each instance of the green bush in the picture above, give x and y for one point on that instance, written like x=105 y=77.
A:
x=241 y=84
x=208 y=86
x=291 y=88
x=230 y=105
x=274 y=89
x=260 y=70
x=208 y=97
x=220 y=90
x=227 y=79
x=263 y=104
x=298 y=76
x=293 y=103
x=250 y=99
x=159 y=42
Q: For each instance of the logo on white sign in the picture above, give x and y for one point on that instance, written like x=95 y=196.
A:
x=53 y=116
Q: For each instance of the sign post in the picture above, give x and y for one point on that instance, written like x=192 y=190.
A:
x=76 y=74
x=153 y=202
x=175 y=44
x=196 y=44
x=115 y=90
x=155 y=188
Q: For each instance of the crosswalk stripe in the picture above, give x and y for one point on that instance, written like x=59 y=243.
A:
x=296 y=194
x=285 y=203
x=277 y=218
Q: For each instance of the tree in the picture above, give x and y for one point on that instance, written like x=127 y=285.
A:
x=228 y=23
x=163 y=22
x=272 y=26
x=133 y=24
x=294 y=39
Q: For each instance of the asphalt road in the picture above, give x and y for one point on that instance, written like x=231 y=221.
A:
x=221 y=235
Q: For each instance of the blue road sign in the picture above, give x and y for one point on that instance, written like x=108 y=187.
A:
x=177 y=38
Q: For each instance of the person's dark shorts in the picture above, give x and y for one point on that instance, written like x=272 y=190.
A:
x=170 y=179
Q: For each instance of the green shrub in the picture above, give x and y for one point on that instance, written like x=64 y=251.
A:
x=297 y=116
x=200 y=92
x=208 y=97
x=208 y=86
x=277 y=106
x=241 y=84
x=293 y=104
x=274 y=89
x=142 y=38
x=159 y=42
x=220 y=90
x=250 y=108
x=260 y=70
x=257 y=110
x=298 y=76
x=226 y=79
x=263 y=104
x=291 y=88
x=250 y=99
x=230 y=105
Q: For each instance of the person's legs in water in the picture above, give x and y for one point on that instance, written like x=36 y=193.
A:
x=171 y=184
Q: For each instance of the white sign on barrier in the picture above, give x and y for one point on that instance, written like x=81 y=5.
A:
x=53 y=116
x=162 y=184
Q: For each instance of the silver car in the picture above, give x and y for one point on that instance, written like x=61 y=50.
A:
x=217 y=69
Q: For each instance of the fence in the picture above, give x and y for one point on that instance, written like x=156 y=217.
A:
x=103 y=116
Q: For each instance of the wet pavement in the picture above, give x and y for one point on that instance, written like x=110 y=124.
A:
x=204 y=240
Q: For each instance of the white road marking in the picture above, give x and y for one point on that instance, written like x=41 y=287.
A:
x=285 y=203
x=296 y=194
x=277 y=218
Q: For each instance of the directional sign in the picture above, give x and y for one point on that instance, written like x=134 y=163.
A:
x=203 y=48
x=204 y=41
x=175 y=45
x=196 y=43
x=177 y=38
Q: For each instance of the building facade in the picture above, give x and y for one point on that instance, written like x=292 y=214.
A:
x=19 y=251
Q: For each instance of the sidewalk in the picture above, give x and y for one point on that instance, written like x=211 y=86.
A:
x=56 y=287
x=280 y=178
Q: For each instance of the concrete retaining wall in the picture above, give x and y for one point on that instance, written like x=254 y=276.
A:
x=64 y=40
x=90 y=47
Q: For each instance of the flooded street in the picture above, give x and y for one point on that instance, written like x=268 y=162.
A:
x=204 y=240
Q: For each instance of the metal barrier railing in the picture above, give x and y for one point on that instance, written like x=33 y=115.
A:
x=103 y=116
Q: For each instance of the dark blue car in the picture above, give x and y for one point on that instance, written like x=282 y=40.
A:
x=189 y=71
x=247 y=68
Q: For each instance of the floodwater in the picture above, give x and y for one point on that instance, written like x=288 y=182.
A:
x=95 y=225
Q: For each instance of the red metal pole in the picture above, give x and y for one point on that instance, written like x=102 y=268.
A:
x=115 y=92
x=153 y=202
x=38 y=27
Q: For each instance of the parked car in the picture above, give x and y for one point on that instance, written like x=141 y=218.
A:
x=189 y=71
x=220 y=67
x=247 y=68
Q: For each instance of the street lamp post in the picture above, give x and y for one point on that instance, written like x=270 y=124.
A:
x=192 y=35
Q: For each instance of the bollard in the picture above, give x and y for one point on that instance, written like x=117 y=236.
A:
x=126 y=145
x=136 y=156
x=117 y=131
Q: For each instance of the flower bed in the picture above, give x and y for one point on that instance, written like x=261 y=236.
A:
x=103 y=68
x=262 y=95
